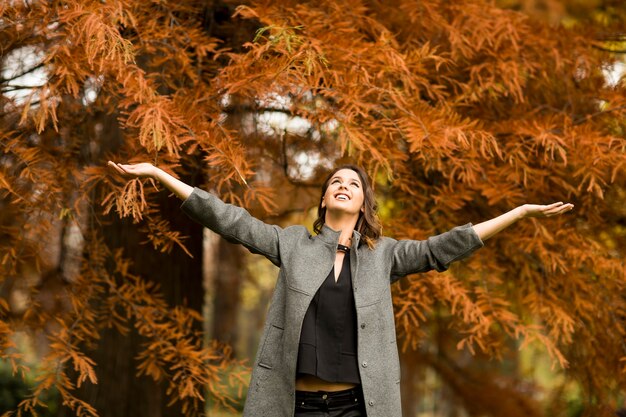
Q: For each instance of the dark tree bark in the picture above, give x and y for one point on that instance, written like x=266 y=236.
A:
x=119 y=391
x=227 y=275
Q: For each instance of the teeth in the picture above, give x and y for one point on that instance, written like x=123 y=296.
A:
x=342 y=197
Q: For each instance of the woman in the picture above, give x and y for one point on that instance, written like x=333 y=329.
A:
x=329 y=344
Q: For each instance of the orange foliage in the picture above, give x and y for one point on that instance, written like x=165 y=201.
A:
x=459 y=110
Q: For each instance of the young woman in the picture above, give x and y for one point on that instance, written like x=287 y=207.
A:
x=329 y=343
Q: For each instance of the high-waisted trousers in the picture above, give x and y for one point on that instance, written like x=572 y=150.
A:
x=347 y=403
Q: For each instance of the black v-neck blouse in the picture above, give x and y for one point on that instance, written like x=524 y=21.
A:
x=328 y=340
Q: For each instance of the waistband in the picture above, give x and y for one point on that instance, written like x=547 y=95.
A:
x=330 y=398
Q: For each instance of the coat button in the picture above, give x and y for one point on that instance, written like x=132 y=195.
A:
x=324 y=396
x=362 y=325
x=371 y=402
x=364 y=364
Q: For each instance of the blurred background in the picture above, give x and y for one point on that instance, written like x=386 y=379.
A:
x=114 y=303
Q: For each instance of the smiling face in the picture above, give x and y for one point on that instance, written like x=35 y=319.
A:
x=344 y=194
x=348 y=197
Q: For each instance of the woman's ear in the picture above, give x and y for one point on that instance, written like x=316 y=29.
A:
x=323 y=203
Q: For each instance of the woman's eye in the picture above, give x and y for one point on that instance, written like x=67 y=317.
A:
x=356 y=184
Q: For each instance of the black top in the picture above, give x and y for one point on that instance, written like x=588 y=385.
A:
x=328 y=341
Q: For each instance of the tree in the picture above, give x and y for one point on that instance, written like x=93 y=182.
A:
x=460 y=110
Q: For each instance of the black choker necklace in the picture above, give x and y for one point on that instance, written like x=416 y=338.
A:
x=343 y=248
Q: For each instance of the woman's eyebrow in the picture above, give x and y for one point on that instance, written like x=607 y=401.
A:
x=337 y=177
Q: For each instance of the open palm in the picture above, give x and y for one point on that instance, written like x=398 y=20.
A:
x=143 y=169
x=548 y=210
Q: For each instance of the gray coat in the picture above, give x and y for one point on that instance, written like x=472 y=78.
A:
x=305 y=260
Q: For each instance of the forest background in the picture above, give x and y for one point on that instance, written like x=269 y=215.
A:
x=113 y=303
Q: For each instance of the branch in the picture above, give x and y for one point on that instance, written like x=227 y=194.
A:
x=12 y=87
x=612 y=37
x=614 y=51
x=284 y=149
x=32 y=105
x=582 y=119
x=40 y=65
x=254 y=109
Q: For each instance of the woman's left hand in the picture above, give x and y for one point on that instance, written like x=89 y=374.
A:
x=489 y=228
x=538 y=210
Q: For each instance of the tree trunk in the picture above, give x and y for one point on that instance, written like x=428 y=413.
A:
x=119 y=392
x=227 y=276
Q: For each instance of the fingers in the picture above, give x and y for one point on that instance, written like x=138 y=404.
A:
x=547 y=210
x=122 y=169
x=566 y=207
x=133 y=170
x=116 y=167
x=557 y=208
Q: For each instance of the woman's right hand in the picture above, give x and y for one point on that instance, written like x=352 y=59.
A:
x=146 y=170
x=143 y=169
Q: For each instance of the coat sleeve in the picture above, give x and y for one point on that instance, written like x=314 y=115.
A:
x=437 y=252
x=234 y=224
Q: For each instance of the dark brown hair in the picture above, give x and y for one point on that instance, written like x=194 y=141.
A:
x=368 y=224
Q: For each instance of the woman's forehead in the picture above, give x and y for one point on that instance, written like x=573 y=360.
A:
x=346 y=173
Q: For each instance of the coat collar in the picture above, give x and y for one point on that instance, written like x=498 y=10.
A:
x=331 y=236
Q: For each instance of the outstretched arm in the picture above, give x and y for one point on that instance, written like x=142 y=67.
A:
x=487 y=229
x=145 y=169
x=233 y=223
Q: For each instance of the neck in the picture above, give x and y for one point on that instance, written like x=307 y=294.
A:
x=345 y=224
